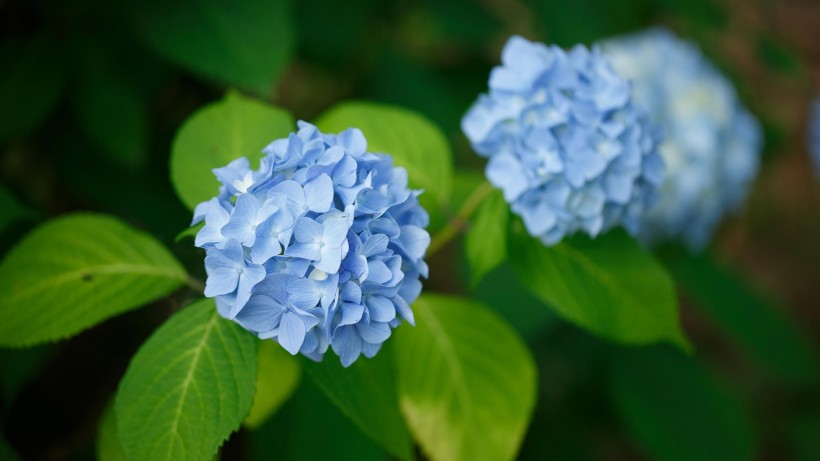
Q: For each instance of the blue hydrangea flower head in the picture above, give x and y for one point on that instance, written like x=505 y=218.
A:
x=565 y=143
x=320 y=247
x=712 y=145
x=814 y=135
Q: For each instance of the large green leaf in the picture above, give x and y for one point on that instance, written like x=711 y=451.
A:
x=467 y=383
x=414 y=142
x=486 y=242
x=608 y=285
x=245 y=44
x=277 y=375
x=760 y=328
x=108 y=441
x=30 y=84
x=215 y=135
x=75 y=271
x=676 y=410
x=188 y=387
x=366 y=393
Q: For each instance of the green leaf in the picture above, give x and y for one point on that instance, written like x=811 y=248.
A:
x=108 y=442
x=676 y=410
x=752 y=321
x=30 y=84
x=467 y=383
x=608 y=285
x=188 y=387
x=486 y=242
x=366 y=393
x=277 y=376
x=75 y=271
x=245 y=44
x=414 y=142
x=215 y=135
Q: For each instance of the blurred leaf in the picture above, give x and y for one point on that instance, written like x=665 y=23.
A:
x=464 y=183
x=467 y=383
x=587 y=21
x=12 y=210
x=6 y=452
x=486 y=242
x=242 y=43
x=366 y=393
x=403 y=81
x=19 y=367
x=189 y=386
x=277 y=375
x=805 y=442
x=215 y=135
x=698 y=13
x=520 y=308
x=321 y=38
x=413 y=141
x=760 y=328
x=776 y=55
x=108 y=442
x=30 y=84
x=110 y=107
x=309 y=428
x=76 y=271
x=676 y=410
x=608 y=285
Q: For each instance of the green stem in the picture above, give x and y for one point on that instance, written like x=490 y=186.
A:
x=461 y=218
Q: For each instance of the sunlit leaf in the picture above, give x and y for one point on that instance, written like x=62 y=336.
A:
x=467 y=383
x=76 y=271
x=188 y=388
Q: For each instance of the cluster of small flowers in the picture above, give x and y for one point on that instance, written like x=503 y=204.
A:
x=565 y=143
x=712 y=143
x=321 y=246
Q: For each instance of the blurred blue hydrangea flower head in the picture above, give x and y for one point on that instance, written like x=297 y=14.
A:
x=565 y=143
x=814 y=135
x=712 y=144
x=322 y=246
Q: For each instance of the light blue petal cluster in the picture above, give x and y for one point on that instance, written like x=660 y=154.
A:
x=565 y=143
x=322 y=246
x=814 y=135
x=712 y=145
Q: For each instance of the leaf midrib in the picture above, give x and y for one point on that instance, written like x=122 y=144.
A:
x=66 y=277
x=186 y=384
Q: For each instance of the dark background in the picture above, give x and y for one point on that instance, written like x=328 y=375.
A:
x=89 y=127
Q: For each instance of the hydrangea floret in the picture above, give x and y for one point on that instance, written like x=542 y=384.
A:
x=712 y=145
x=565 y=143
x=322 y=246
